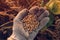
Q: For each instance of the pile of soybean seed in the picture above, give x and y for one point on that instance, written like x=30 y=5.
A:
x=30 y=22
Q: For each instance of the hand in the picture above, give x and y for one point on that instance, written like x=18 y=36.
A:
x=18 y=29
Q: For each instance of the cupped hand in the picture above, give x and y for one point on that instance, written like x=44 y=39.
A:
x=42 y=17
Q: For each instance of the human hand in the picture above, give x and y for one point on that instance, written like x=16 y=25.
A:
x=42 y=17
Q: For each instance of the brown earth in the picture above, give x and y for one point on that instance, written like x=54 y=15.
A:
x=10 y=8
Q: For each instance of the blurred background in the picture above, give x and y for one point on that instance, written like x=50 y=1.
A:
x=10 y=8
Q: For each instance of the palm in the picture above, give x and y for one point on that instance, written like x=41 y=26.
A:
x=42 y=17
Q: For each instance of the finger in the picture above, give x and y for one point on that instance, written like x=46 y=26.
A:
x=34 y=9
x=22 y=14
x=45 y=14
x=41 y=10
x=43 y=22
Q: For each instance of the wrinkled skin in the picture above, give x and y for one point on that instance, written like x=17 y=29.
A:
x=18 y=31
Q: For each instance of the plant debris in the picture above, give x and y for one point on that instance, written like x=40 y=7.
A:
x=10 y=8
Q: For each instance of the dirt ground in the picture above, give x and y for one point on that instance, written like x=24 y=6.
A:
x=10 y=8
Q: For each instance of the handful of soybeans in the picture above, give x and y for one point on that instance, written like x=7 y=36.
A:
x=30 y=22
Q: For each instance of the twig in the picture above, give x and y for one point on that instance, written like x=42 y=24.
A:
x=32 y=4
x=28 y=2
x=5 y=24
x=51 y=32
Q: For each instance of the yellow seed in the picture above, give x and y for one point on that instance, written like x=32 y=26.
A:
x=30 y=23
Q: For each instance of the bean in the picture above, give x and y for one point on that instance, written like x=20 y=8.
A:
x=30 y=22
